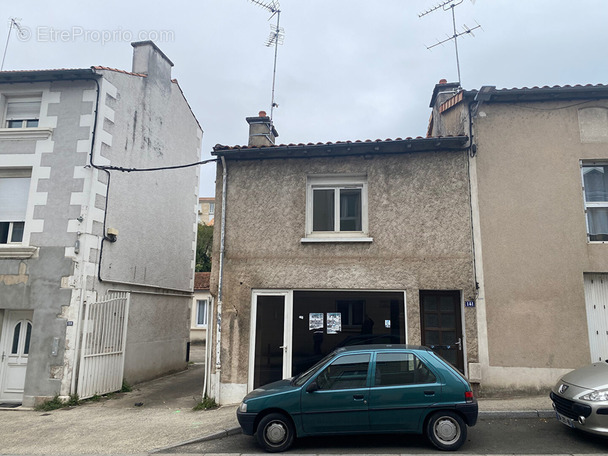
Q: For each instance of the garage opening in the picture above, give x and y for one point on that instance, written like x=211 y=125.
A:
x=325 y=320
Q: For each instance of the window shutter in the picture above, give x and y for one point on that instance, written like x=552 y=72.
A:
x=23 y=110
x=13 y=198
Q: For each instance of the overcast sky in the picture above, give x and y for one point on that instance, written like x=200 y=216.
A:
x=348 y=69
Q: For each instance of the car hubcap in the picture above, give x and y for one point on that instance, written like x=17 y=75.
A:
x=275 y=432
x=446 y=430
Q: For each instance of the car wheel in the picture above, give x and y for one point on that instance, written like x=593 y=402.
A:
x=275 y=432
x=446 y=430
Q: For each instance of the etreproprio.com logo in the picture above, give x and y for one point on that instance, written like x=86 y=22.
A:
x=47 y=34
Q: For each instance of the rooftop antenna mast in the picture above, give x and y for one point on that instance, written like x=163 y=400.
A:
x=13 y=23
x=276 y=37
x=451 y=5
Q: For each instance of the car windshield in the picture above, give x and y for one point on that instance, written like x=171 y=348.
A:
x=302 y=378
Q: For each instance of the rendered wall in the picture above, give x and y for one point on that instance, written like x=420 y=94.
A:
x=534 y=242
x=419 y=219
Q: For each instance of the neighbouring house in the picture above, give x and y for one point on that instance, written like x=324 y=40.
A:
x=365 y=241
x=200 y=308
x=539 y=180
x=96 y=276
x=206 y=210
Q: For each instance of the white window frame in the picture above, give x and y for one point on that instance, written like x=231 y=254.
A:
x=591 y=204
x=336 y=182
x=205 y=304
x=211 y=208
x=24 y=119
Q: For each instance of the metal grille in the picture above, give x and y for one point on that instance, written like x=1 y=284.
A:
x=103 y=345
x=570 y=408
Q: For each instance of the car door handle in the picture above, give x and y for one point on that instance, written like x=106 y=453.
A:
x=358 y=397
x=429 y=393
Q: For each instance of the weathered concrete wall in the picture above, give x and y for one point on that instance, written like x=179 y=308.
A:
x=152 y=126
x=533 y=234
x=419 y=219
x=157 y=337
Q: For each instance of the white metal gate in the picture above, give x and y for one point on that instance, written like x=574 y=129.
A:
x=102 y=354
x=596 y=299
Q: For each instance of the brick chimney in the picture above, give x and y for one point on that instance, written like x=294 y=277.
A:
x=261 y=131
x=148 y=59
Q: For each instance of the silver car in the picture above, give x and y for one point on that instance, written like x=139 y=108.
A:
x=580 y=399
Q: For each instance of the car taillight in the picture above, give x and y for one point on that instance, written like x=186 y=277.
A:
x=468 y=396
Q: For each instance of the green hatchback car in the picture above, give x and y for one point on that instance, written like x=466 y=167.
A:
x=364 y=389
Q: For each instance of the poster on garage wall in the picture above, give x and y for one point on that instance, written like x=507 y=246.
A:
x=315 y=321
x=334 y=322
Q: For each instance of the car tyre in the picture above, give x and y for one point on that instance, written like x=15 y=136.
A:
x=446 y=430
x=275 y=432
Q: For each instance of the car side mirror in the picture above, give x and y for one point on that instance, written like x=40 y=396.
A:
x=312 y=387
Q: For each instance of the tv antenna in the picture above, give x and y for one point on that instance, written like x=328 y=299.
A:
x=451 y=5
x=276 y=37
x=13 y=23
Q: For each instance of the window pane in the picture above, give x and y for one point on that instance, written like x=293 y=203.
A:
x=28 y=336
x=31 y=123
x=16 y=334
x=14 y=123
x=201 y=315
x=17 y=234
x=401 y=369
x=350 y=209
x=4 y=226
x=346 y=372
x=595 y=179
x=323 y=210
x=597 y=219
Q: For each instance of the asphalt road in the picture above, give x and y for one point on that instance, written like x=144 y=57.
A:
x=536 y=436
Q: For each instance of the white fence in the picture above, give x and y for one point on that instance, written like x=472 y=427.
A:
x=104 y=335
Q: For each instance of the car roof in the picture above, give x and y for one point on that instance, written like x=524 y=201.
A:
x=375 y=347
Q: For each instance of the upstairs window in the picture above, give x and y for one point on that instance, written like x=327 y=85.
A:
x=336 y=207
x=595 y=186
x=14 y=190
x=22 y=112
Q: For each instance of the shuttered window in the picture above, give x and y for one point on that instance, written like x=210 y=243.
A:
x=22 y=112
x=14 y=191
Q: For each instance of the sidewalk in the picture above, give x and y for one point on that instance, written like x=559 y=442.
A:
x=157 y=415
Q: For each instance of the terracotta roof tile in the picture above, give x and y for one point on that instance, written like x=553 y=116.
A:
x=329 y=143
x=201 y=280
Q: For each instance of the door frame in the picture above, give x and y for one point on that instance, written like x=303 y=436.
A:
x=287 y=331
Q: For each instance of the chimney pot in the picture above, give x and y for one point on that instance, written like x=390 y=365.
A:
x=443 y=81
x=262 y=113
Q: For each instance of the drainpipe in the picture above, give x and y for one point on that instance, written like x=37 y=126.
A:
x=218 y=342
x=208 y=345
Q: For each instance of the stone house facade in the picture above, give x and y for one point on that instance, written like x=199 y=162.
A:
x=350 y=242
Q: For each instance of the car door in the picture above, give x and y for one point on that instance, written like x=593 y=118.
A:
x=404 y=388
x=338 y=401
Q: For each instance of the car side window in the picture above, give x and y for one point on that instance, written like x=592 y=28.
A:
x=349 y=371
x=401 y=369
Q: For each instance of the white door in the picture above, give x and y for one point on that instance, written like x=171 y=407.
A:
x=15 y=347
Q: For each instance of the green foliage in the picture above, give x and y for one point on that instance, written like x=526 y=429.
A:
x=126 y=388
x=204 y=245
x=51 y=404
x=57 y=403
x=206 y=404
